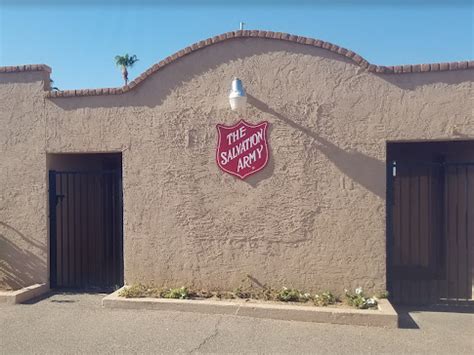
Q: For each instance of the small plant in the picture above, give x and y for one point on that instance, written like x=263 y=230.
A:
x=178 y=293
x=139 y=291
x=251 y=288
x=134 y=291
x=382 y=294
x=359 y=300
x=324 y=299
x=53 y=88
x=268 y=294
x=222 y=295
x=240 y=293
x=292 y=295
x=204 y=294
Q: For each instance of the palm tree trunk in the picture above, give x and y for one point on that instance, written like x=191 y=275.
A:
x=125 y=74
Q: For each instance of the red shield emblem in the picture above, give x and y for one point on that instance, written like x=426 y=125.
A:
x=242 y=149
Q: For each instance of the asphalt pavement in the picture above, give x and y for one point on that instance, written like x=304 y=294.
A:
x=77 y=323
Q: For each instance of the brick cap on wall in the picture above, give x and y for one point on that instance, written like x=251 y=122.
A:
x=357 y=59
x=24 y=68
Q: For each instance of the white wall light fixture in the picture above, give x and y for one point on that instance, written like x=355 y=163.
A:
x=237 y=96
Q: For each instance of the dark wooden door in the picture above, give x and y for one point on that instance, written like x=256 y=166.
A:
x=430 y=211
x=86 y=229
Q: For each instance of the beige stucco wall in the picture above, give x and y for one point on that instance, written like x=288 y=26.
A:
x=23 y=204
x=313 y=219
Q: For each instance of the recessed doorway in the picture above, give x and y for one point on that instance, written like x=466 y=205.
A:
x=430 y=222
x=86 y=220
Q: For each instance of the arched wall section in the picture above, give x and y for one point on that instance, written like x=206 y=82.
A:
x=314 y=218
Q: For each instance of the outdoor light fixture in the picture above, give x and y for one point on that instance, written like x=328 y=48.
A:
x=237 y=97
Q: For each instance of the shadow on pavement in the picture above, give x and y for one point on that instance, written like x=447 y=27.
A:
x=39 y=298
x=67 y=293
x=406 y=321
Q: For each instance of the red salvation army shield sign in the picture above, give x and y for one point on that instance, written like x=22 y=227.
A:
x=242 y=149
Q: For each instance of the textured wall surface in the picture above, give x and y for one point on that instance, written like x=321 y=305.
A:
x=314 y=218
x=23 y=197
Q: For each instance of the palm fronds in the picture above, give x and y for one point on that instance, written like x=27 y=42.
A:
x=125 y=60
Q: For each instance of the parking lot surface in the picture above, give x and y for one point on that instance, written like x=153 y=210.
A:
x=77 y=323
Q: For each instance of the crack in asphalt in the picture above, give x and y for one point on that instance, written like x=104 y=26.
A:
x=214 y=334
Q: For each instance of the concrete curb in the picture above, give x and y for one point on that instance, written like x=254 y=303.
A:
x=385 y=316
x=24 y=294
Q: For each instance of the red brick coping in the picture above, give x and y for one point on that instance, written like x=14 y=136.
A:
x=27 y=67
x=397 y=69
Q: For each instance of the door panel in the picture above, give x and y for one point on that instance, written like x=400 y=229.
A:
x=430 y=233
x=86 y=229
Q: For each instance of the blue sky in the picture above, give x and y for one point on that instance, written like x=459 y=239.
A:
x=80 y=40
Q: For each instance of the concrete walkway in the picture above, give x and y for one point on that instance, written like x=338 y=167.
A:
x=76 y=323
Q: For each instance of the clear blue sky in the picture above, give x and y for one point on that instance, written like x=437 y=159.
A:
x=79 y=41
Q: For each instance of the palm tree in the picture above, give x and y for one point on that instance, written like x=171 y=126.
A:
x=53 y=88
x=125 y=61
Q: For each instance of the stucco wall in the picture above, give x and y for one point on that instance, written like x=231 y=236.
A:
x=23 y=203
x=314 y=218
